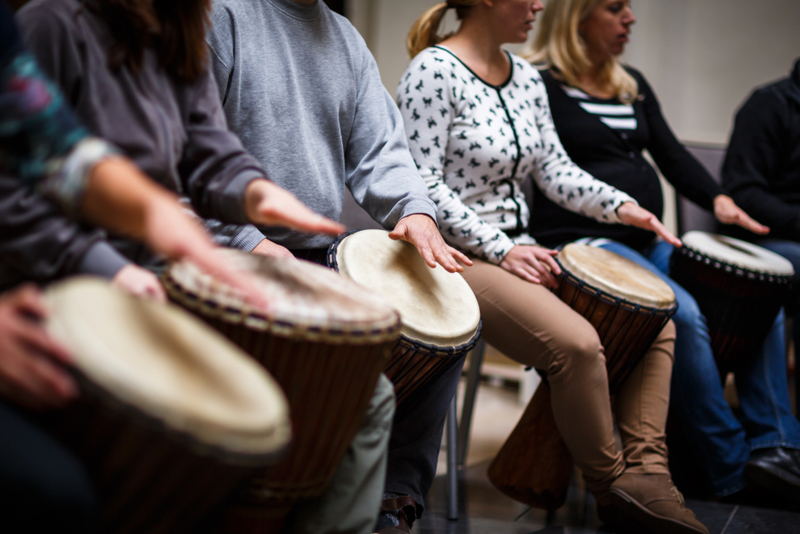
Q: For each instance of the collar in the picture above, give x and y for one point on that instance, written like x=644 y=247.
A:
x=298 y=11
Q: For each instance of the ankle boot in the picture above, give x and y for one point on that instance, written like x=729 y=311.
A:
x=652 y=501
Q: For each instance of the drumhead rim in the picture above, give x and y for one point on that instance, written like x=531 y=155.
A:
x=735 y=243
x=411 y=336
x=607 y=297
x=736 y=270
x=334 y=332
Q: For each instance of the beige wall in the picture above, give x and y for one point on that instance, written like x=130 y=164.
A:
x=701 y=56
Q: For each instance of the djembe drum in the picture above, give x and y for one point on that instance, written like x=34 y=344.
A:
x=628 y=306
x=172 y=417
x=440 y=315
x=325 y=340
x=739 y=287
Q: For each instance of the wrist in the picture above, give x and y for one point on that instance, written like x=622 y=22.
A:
x=255 y=193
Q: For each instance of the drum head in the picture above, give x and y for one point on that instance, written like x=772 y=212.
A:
x=164 y=363
x=615 y=275
x=305 y=300
x=436 y=307
x=738 y=253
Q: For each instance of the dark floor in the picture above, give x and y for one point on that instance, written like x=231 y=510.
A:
x=484 y=510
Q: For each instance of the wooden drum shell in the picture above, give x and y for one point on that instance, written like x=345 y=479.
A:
x=534 y=465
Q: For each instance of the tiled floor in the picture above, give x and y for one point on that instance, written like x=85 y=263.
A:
x=484 y=510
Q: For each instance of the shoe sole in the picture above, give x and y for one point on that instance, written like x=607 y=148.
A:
x=653 y=522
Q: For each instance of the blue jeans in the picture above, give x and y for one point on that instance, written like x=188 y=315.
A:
x=721 y=442
x=791 y=251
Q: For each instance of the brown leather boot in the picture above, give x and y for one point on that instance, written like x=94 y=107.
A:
x=653 y=501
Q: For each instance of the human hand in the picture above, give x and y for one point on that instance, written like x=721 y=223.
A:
x=140 y=282
x=534 y=264
x=727 y=212
x=31 y=364
x=270 y=248
x=421 y=231
x=633 y=215
x=269 y=204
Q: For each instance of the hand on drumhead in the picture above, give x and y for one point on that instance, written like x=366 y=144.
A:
x=271 y=205
x=31 y=370
x=534 y=264
x=140 y=282
x=727 y=212
x=422 y=232
x=634 y=215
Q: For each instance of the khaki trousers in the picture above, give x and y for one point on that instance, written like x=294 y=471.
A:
x=530 y=324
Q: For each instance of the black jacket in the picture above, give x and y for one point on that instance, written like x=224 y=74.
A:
x=615 y=157
x=762 y=166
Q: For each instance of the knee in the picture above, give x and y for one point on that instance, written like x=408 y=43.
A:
x=580 y=350
x=688 y=314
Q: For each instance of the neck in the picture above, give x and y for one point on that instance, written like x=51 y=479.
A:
x=476 y=45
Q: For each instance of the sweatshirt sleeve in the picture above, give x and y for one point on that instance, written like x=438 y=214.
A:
x=37 y=240
x=561 y=180
x=380 y=171
x=755 y=152
x=216 y=168
x=679 y=167
x=427 y=139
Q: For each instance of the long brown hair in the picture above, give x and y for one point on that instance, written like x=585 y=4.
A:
x=176 y=29
x=424 y=32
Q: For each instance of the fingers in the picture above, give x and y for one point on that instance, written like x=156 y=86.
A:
x=748 y=223
x=665 y=234
x=550 y=261
x=140 y=282
x=28 y=300
x=269 y=204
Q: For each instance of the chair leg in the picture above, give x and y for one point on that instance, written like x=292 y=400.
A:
x=452 y=465
x=473 y=380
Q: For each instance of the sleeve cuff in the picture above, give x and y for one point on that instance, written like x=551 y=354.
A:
x=102 y=260
x=229 y=206
x=247 y=238
x=424 y=207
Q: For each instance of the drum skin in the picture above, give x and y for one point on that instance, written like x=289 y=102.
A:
x=740 y=299
x=439 y=313
x=534 y=465
x=326 y=355
x=155 y=468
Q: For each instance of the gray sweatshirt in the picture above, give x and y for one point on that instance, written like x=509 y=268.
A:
x=175 y=132
x=303 y=92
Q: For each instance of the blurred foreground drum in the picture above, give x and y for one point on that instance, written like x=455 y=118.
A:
x=739 y=287
x=172 y=417
x=628 y=306
x=325 y=340
x=440 y=314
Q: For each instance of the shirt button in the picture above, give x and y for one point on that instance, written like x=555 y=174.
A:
x=632 y=154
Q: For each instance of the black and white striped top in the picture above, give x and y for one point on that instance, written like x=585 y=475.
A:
x=610 y=111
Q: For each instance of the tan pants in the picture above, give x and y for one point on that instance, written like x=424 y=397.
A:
x=530 y=324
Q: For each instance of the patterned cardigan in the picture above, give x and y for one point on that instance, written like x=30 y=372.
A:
x=475 y=143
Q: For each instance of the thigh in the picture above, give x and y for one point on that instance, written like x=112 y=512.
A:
x=526 y=321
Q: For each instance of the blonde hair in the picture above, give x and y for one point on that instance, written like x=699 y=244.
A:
x=424 y=31
x=558 y=45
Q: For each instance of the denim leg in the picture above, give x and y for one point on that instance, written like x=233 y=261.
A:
x=417 y=436
x=791 y=251
x=697 y=398
x=764 y=396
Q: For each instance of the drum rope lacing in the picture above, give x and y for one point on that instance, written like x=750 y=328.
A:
x=736 y=270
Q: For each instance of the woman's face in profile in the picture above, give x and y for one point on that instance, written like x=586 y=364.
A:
x=605 y=31
x=515 y=17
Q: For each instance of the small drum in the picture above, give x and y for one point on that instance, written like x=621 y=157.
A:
x=324 y=339
x=440 y=315
x=739 y=287
x=172 y=417
x=628 y=306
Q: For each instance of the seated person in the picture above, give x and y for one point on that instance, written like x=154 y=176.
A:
x=606 y=115
x=303 y=92
x=478 y=123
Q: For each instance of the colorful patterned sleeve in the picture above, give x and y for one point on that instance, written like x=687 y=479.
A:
x=41 y=141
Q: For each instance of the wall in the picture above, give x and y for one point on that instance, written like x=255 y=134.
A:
x=702 y=57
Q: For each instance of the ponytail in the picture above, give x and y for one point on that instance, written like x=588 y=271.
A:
x=424 y=34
